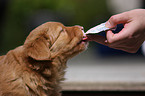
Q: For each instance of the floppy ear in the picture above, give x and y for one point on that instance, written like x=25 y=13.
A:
x=39 y=49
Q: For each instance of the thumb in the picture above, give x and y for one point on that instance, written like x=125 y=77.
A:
x=117 y=19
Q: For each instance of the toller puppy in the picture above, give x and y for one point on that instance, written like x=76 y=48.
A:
x=37 y=67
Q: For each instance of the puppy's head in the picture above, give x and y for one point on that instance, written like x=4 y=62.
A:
x=53 y=39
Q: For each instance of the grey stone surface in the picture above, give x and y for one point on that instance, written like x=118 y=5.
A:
x=114 y=73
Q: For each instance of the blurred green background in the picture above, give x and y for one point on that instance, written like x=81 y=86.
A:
x=22 y=16
x=19 y=17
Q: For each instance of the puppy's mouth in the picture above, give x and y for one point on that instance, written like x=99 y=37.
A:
x=84 y=40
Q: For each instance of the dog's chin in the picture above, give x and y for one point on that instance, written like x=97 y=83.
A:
x=84 y=43
x=81 y=46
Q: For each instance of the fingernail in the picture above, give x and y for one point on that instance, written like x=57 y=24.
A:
x=106 y=41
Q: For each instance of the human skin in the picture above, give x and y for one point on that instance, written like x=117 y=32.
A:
x=130 y=38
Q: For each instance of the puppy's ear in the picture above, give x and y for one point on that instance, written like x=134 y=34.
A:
x=39 y=49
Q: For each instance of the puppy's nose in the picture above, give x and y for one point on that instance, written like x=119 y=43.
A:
x=81 y=27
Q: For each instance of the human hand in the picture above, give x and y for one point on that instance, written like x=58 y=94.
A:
x=130 y=38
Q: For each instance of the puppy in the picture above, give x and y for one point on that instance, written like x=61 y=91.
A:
x=37 y=67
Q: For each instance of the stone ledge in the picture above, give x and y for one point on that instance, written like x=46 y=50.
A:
x=103 y=86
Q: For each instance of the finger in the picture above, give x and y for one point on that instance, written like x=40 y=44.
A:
x=117 y=19
x=97 y=38
x=122 y=35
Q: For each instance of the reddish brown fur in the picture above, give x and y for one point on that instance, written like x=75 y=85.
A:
x=37 y=67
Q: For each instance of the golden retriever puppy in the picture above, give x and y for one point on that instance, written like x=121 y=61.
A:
x=37 y=67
